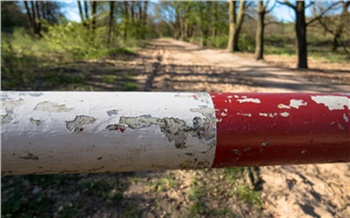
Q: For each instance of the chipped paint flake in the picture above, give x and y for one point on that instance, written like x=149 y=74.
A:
x=283 y=106
x=7 y=108
x=332 y=102
x=247 y=100
x=47 y=106
x=296 y=103
x=284 y=114
x=346 y=118
x=272 y=115
x=35 y=122
x=77 y=125
x=263 y=114
x=112 y=112
x=174 y=129
x=244 y=114
x=266 y=143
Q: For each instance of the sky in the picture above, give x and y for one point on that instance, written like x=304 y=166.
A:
x=282 y=13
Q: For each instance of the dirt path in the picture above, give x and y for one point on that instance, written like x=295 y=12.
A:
x=288 y=191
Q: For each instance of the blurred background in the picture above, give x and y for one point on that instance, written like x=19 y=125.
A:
x=113 y=45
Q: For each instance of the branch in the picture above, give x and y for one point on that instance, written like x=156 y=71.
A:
x=323 y=12
x=273 y=6
x=287 y=3
x=311 y=3
x=325 y=26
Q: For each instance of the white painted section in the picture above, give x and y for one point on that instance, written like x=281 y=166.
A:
x=55 y=132
x=296 y=103
x=332 y=102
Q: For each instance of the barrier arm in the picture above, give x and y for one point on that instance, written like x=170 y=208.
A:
x=97 y=132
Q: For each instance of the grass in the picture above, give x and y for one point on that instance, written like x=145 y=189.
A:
x=163 y=184
x=63 y=195
x=28 y=63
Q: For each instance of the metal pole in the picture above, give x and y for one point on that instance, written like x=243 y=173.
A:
x=94 y=132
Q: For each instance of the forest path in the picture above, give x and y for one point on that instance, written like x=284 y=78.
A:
x=288 y=191
x=181 y=66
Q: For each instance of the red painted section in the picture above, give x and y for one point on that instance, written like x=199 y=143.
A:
x=263 y=129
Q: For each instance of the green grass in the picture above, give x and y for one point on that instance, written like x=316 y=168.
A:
x=162 y=184
x=64 y=195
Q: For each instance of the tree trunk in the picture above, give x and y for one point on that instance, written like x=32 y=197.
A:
x=140 y=15
x=232 y=17
x=300 y=29
x=81 y=13
x=215 y=21
x=110 y=26
x=132 y=12
x=259 y=38
x=126 y=18
x=38 y=18
x=30 y=17
x=86 y=8
x=235 y=28
x=93 y=16
x=145 y=7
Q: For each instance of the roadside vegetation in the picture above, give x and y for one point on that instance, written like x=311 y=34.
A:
x=42 y=50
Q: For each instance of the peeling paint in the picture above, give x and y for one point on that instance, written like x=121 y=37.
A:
x=8 y=107
x=244 y=114
x=116 y=127
x=36 y=122
x=77 y=125
x=346 y=118
x=162 y=126
x=174 y=129
x=112 y=112
x=333 y=102
x=263 y=114
x=284 y=114
x=251 y=100
x=47 y=106
x=283 y=106
x=266 y=143
x=296 y=103
x=7 y=118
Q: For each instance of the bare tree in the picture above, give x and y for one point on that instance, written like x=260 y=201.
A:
x=300 y=28
x=259 y=38
x=336 y=25
x=33 y=15
x=236 y=23
x=110 y=25
x=93 y=16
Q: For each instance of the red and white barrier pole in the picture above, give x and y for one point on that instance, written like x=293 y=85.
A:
x=71 y=132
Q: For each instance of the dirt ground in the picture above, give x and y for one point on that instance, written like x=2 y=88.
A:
x=320 y=190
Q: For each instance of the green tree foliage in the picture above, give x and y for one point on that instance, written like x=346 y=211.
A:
x=11 y=16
